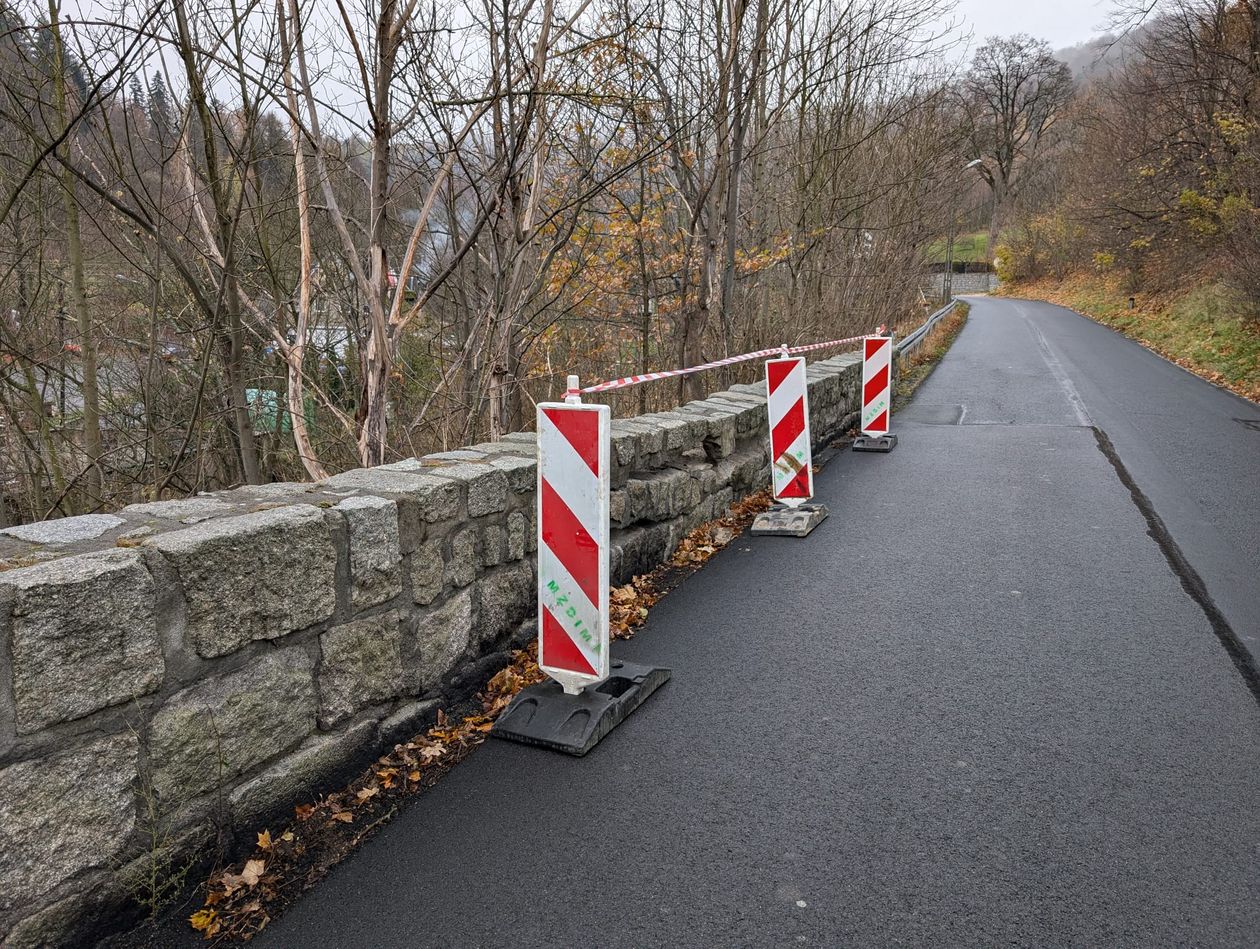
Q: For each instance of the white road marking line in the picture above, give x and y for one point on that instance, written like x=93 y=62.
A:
x=1059 y=373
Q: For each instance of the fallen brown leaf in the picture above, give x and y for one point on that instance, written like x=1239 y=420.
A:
x=230 y=883
x=253 y=872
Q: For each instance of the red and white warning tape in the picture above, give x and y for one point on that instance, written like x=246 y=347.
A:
x=728 y=361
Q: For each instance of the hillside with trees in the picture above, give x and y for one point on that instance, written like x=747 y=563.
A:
x=267 y=242
x=1146 y=211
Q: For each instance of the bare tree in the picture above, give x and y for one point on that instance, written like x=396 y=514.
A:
x=1014 y=98
x=388 y=226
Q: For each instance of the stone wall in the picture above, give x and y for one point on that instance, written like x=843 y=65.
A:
x=184 y=670
x=933 y=284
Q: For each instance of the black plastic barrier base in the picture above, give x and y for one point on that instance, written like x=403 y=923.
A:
x=783 y=521
x=543 y=715
x=875 y=442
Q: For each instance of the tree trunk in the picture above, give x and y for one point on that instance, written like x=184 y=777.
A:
x=295 y=358
x=87 y=340
x=231 y=346
x=233 y=359
x=994 y=226
x=377 y=364
x=78 y=299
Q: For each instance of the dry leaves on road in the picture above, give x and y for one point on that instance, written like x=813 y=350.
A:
x=324 y=831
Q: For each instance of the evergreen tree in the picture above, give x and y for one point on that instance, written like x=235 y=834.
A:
x=136 y=93
x=160 y=112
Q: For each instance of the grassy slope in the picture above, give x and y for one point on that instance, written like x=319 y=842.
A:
x=920 y=364
x=1206 y=330
x=967 y=247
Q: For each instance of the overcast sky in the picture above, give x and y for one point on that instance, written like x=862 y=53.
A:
x=1061 y=22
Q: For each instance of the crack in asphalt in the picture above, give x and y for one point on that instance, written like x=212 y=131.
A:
x=1190 y=580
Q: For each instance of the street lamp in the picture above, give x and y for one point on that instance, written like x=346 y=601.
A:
x=947 y=281
x=980 y=166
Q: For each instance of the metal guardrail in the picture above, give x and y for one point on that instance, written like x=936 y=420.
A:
x=915 y=338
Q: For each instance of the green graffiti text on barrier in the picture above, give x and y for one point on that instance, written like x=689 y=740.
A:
x=567 y=612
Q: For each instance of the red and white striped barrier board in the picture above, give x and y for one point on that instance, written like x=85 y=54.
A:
x=876 y=385
x=787 y=402
x=573 y=531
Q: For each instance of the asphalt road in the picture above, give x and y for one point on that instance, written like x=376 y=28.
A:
x=977 y=706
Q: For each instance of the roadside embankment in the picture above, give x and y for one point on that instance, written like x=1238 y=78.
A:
x=914 y=368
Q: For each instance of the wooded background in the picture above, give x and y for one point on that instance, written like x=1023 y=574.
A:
x=1154 y=172
x=245 y=241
